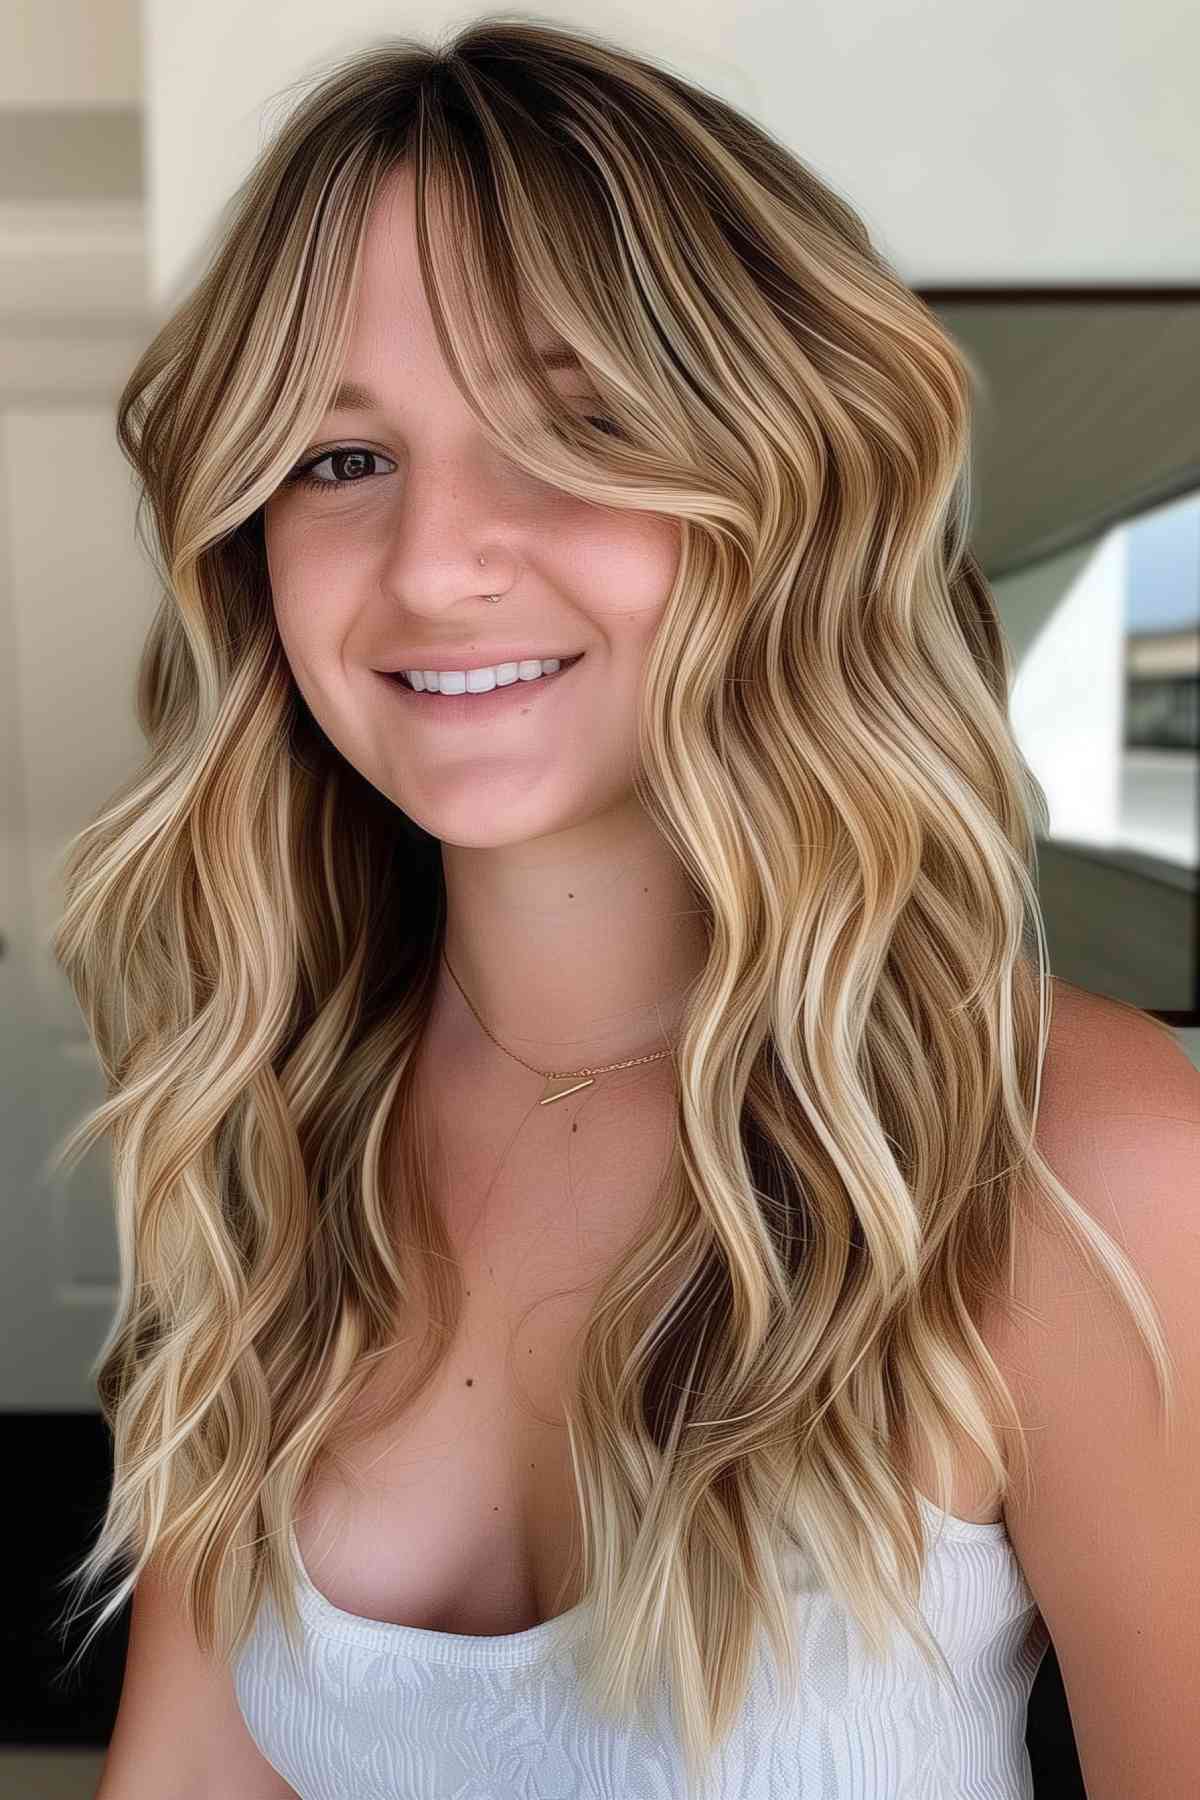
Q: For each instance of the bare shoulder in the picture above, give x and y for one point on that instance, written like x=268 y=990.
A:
x=1118 y=1114
x=1105 y=1056
x=1106 y=1537
x=1119 y=1126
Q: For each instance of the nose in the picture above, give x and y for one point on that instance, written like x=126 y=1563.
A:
x=452 y=508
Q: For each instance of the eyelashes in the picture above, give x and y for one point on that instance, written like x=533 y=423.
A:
x=303 y=475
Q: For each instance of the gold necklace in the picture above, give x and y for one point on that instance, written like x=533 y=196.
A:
x=558 y=1085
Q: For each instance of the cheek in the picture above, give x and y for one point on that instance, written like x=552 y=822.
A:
x=627 y=573
x=281 y=561
x=305 y=586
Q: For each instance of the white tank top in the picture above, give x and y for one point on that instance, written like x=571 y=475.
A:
x=394 y=1712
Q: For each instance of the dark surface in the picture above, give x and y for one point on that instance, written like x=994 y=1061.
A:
x=1052 y=1754
x=53 y=1516
x=60 y=1473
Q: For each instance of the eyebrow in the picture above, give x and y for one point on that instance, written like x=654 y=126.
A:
x=351 y=396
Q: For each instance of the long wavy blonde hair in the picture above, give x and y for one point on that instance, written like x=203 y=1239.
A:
x=252 y=930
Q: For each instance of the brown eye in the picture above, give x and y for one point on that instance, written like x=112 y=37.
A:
x=355 y=454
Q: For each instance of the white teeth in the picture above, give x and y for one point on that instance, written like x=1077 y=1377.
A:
x=478 y=681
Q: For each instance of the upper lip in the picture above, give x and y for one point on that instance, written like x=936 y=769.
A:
x=476 y=659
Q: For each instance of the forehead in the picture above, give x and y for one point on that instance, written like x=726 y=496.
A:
x=393 y=317
x=356 y=396
x=393 y=312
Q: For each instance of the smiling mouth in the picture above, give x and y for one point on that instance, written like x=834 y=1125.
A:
x=568 y=662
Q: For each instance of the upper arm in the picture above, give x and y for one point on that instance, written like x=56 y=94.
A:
x=1109 y=1537
x=179 y=1732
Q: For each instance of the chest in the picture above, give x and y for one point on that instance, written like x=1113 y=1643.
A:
x=462 y=1515
x=461 y=1520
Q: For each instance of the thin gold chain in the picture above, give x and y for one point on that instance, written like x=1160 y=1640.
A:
x=552 y=1074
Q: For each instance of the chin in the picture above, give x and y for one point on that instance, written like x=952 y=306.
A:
x=490 y=825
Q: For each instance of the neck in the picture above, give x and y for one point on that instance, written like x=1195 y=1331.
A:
x=575 y=951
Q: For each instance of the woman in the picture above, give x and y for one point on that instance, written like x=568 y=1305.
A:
x=571 y=982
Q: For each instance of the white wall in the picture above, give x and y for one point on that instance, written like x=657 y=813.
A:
x=1068 y=637
x=70 y=53
x=1006 y=141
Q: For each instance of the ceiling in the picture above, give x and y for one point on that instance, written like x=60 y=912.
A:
x=1087 y=411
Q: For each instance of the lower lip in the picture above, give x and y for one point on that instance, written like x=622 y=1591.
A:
x=466 y=709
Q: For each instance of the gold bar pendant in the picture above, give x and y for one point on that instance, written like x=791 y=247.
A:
x=558 y=1087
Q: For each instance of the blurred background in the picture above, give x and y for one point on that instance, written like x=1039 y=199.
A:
x=1034 y=173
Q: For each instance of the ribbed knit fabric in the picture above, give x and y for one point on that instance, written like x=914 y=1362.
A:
x=376 y=1711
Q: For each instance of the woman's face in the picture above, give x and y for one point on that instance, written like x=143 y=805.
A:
x=381 y=572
